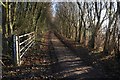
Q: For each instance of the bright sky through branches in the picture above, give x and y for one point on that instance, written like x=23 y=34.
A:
x=53 y=8
x=59 y=0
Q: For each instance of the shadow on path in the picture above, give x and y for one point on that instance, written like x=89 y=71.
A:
x=71 y=66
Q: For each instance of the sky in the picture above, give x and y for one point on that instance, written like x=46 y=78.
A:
x=58 y=0
x=54 y=4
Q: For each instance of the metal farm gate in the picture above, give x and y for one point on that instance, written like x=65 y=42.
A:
x=21 y=44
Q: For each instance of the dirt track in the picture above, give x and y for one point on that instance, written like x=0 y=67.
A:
x=71 y=66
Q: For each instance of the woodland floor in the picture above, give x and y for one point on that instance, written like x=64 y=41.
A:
x=57 y=58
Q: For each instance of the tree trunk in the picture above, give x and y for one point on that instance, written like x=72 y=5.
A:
x=4 y=42
x=107 y=37
x=76 y=33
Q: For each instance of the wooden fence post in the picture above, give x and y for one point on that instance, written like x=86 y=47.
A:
x=16 y=53
x=34 y=38
x=119 y=43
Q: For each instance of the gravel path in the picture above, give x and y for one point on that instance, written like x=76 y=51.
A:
x=69 y=66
